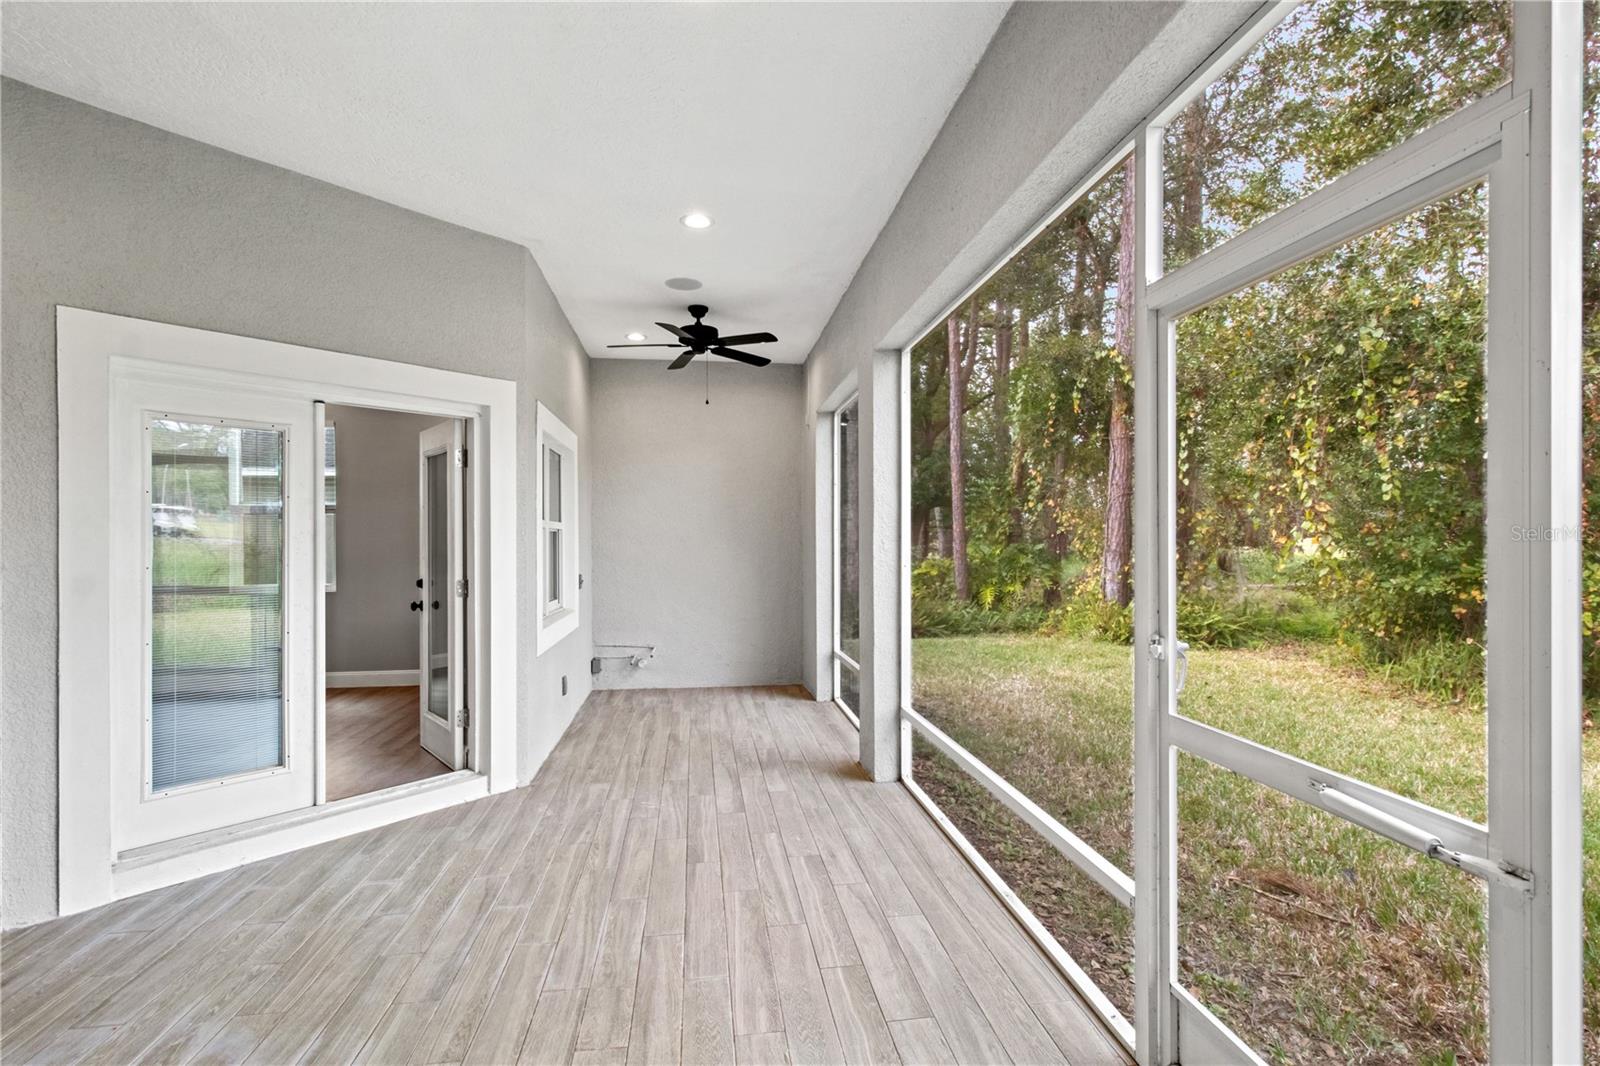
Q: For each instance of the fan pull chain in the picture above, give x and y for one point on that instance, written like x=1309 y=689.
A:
x=708 y=379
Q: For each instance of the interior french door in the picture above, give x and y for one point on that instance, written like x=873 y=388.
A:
x=441 y=566
x=213 y=580
x=1526 y=853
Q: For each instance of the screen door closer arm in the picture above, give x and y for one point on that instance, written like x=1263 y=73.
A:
x=1419 y=839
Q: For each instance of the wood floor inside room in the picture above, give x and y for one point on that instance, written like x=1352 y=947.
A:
x=373 y=741
x=695 y=876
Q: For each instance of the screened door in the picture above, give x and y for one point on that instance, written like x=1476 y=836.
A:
x=1447 y=419
x=213 y=604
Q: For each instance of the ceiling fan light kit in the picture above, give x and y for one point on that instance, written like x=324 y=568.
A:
x=697 y=338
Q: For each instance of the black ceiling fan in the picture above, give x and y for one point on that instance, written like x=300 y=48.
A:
x=699 y=338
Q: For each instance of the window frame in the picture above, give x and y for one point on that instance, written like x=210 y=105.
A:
x=558 y=618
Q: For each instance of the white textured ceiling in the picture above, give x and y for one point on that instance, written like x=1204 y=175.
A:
x=583 y=131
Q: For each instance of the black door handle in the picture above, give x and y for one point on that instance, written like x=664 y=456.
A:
x=416 y=605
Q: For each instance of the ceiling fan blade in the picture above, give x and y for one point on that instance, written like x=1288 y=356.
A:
x=747 y=338
x=682 y=361
x=742 y=357
x=646 y=346
x=676 y=332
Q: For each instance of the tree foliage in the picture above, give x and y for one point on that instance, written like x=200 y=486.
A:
x=1330 y=417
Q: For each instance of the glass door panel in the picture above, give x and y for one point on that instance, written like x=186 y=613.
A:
x=216 y=599
x=438 y=619
x=441 y=560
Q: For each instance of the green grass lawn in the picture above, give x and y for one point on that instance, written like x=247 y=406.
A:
x=1317 y=940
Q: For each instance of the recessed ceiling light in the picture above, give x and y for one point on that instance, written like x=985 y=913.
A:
x=636 y=336
x=683 y=284
x=696 y=220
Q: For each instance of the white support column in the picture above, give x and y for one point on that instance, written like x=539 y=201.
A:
x=885 y=562
x=1533 y=565
x=1155 y=905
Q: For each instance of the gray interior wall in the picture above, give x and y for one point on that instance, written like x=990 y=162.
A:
x=554 y=370
x=1059 y=88
x=696 y=521
x=370 y=624
x=105 y=213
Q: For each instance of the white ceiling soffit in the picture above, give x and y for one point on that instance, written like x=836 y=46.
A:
x=584 y=131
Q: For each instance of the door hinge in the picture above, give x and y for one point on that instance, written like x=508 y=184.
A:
x=461 y=586
x=461 y=457
x=464 y=718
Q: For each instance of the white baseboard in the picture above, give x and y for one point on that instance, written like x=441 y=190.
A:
x=371 y=678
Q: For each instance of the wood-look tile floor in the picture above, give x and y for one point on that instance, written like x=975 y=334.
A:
x=695 y=876
x=374 y=741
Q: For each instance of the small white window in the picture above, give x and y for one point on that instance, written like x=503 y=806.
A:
x=557 y=546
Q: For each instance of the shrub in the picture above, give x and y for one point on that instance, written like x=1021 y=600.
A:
x=1088 y=616
x=932 y=579
x=1443 y=667
x=934 y=616
x=1208 y=620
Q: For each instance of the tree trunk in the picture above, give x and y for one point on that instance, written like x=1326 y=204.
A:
x=1056 y=540
x=940 y=537
x=1003 y=326
x=1018 y=469
x=1117 y=551
x=1196 y=138
x=1076 y=319
x=957 y=380
x=1004 y=339
x=1193 y=135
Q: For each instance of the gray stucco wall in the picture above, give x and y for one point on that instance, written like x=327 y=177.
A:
x=104 y=213
x=696 y=521
x=1059 y=87
x=370 y=624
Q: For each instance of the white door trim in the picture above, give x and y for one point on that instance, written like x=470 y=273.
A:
x=319 y=619
x=88 y=345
